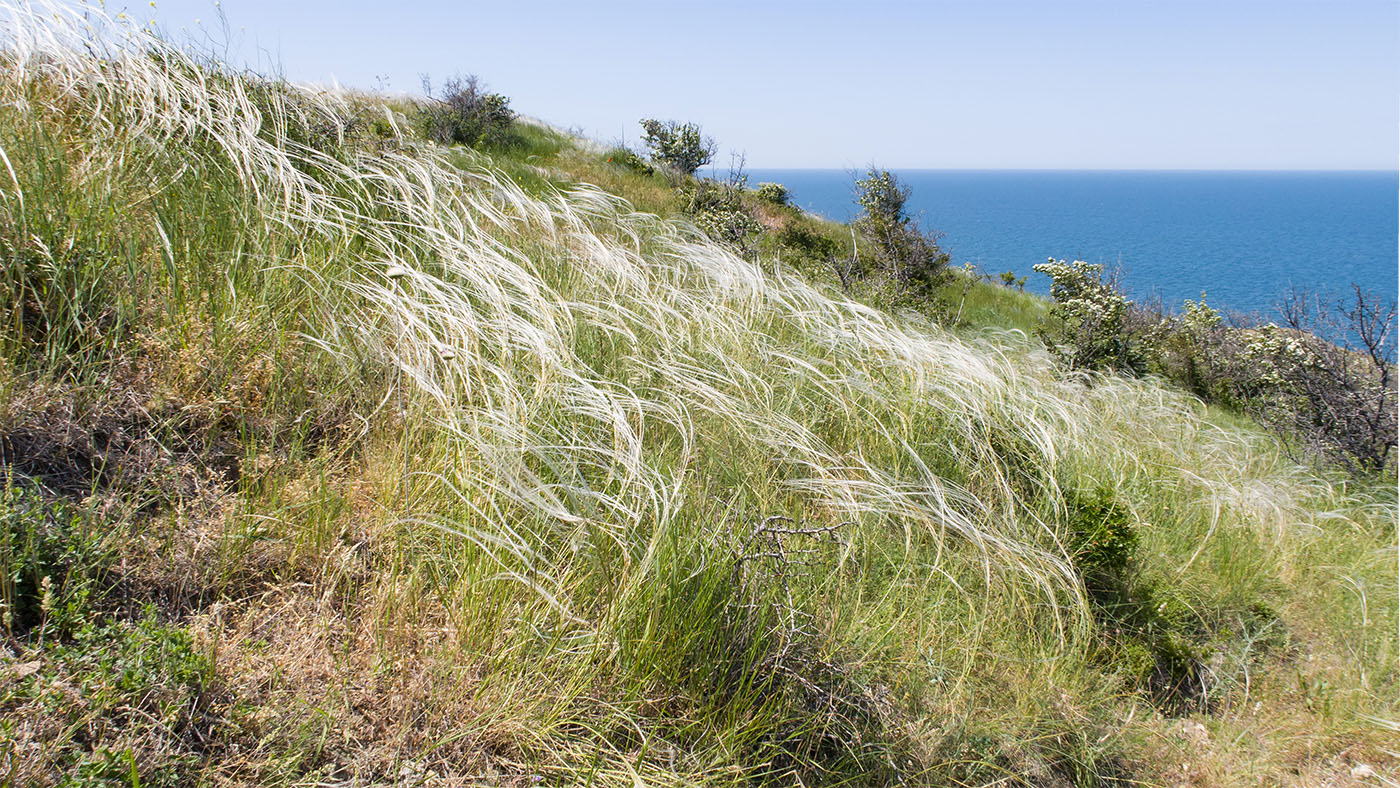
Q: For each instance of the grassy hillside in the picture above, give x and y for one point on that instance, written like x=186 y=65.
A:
x=334 y=457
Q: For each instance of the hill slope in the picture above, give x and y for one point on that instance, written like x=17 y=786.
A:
x=333 y=456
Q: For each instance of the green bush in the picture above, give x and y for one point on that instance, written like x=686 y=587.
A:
x=719 y=210
x=1088 y=327
x=1197 y=350
x=1165 y=645
x=801 y=238
x=1101 y=538
x=1323 y=378
x=466 y=114
x=804 y=245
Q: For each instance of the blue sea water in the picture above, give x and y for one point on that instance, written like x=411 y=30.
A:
x=1242 y=238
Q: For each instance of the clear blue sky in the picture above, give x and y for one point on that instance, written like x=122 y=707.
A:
x=1153 y=84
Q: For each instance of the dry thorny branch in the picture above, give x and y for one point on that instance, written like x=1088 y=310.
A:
x=769 y=555
x=768 y=543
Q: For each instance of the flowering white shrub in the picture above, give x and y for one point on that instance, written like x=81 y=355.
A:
x=1325 y=377
x=1200 y=317
x=680 y=146
x=1278 y=354
x=1328 y=376
x=774 y=193
x=719 y=210
x=1089 y=319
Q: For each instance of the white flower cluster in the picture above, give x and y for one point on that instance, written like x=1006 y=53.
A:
x=1279 y=353
x=1080 y=292
x=1092 y=315
x=1200 y=318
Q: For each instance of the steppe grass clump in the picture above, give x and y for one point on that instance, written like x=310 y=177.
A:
x=532 y=488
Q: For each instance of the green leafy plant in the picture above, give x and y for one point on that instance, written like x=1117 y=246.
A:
x=1194 y=348
x=52 y=562
x=129 y=702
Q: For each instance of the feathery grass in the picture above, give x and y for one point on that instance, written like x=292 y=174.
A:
x=525 y=450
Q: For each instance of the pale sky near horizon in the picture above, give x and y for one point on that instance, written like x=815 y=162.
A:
x=1101 y=84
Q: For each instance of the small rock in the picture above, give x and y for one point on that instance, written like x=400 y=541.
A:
x=1362 y=770
x=20 y=670
x=1194 y=732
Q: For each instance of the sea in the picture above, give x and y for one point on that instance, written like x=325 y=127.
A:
x=1244 y=239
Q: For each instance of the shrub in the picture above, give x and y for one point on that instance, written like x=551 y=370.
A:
x=1329 y=376
x=466 y=114
x=1198 y=350
x=773 y=193
x=803 y=244
x=719 y=210
x=904 y=254
x=1324 y=375
x=677 y=146
x=1101 y=537
x=1088 y=327
x=1008 y=279
x=1168 y=647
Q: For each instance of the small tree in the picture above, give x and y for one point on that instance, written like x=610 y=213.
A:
x=904 y=253
x=678 y=146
